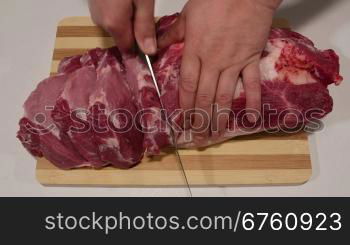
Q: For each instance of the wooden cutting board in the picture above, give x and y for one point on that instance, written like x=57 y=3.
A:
x=262 y=159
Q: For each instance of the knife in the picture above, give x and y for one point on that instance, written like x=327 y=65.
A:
x=172 y=132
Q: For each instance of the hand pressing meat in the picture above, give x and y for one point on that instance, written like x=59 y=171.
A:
x=223 y=40
x=127 y=21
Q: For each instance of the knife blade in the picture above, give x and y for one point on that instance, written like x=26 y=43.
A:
x=173 y=135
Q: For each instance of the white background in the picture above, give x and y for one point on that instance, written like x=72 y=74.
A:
x=27 y=33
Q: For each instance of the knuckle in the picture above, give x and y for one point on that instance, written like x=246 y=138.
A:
x=189 y=83
x=224 y=99
x=112 y=24
x=204 y=100
x=253 y=84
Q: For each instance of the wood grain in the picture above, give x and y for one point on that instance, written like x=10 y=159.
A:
x=260 y=159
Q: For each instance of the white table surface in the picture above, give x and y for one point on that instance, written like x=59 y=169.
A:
x=27 y=33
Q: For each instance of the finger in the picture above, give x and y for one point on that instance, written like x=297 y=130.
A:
x=223 y=100
x=189 y=78
x=175 y=34
x=204 y=100
x=124 y=38
x=144 y=26
x=252 y=86
x=120 y=27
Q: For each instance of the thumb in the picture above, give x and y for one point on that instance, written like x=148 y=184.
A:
x=144 y=26
x=175 y=34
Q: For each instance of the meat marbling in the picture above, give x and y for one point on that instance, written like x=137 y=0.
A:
x=78 y=117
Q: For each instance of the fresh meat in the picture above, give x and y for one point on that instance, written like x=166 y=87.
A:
x=81 y=81
x=156 y=131
x=38 y=133
x=102 y=108
x=113 y=108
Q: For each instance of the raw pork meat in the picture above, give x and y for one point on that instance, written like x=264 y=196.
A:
x=102 y=107
x=38 y=133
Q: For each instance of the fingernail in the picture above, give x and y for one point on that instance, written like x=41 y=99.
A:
x=150 y=45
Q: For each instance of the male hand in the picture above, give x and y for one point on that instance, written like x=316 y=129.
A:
x=125 y=21
x=223 y=40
